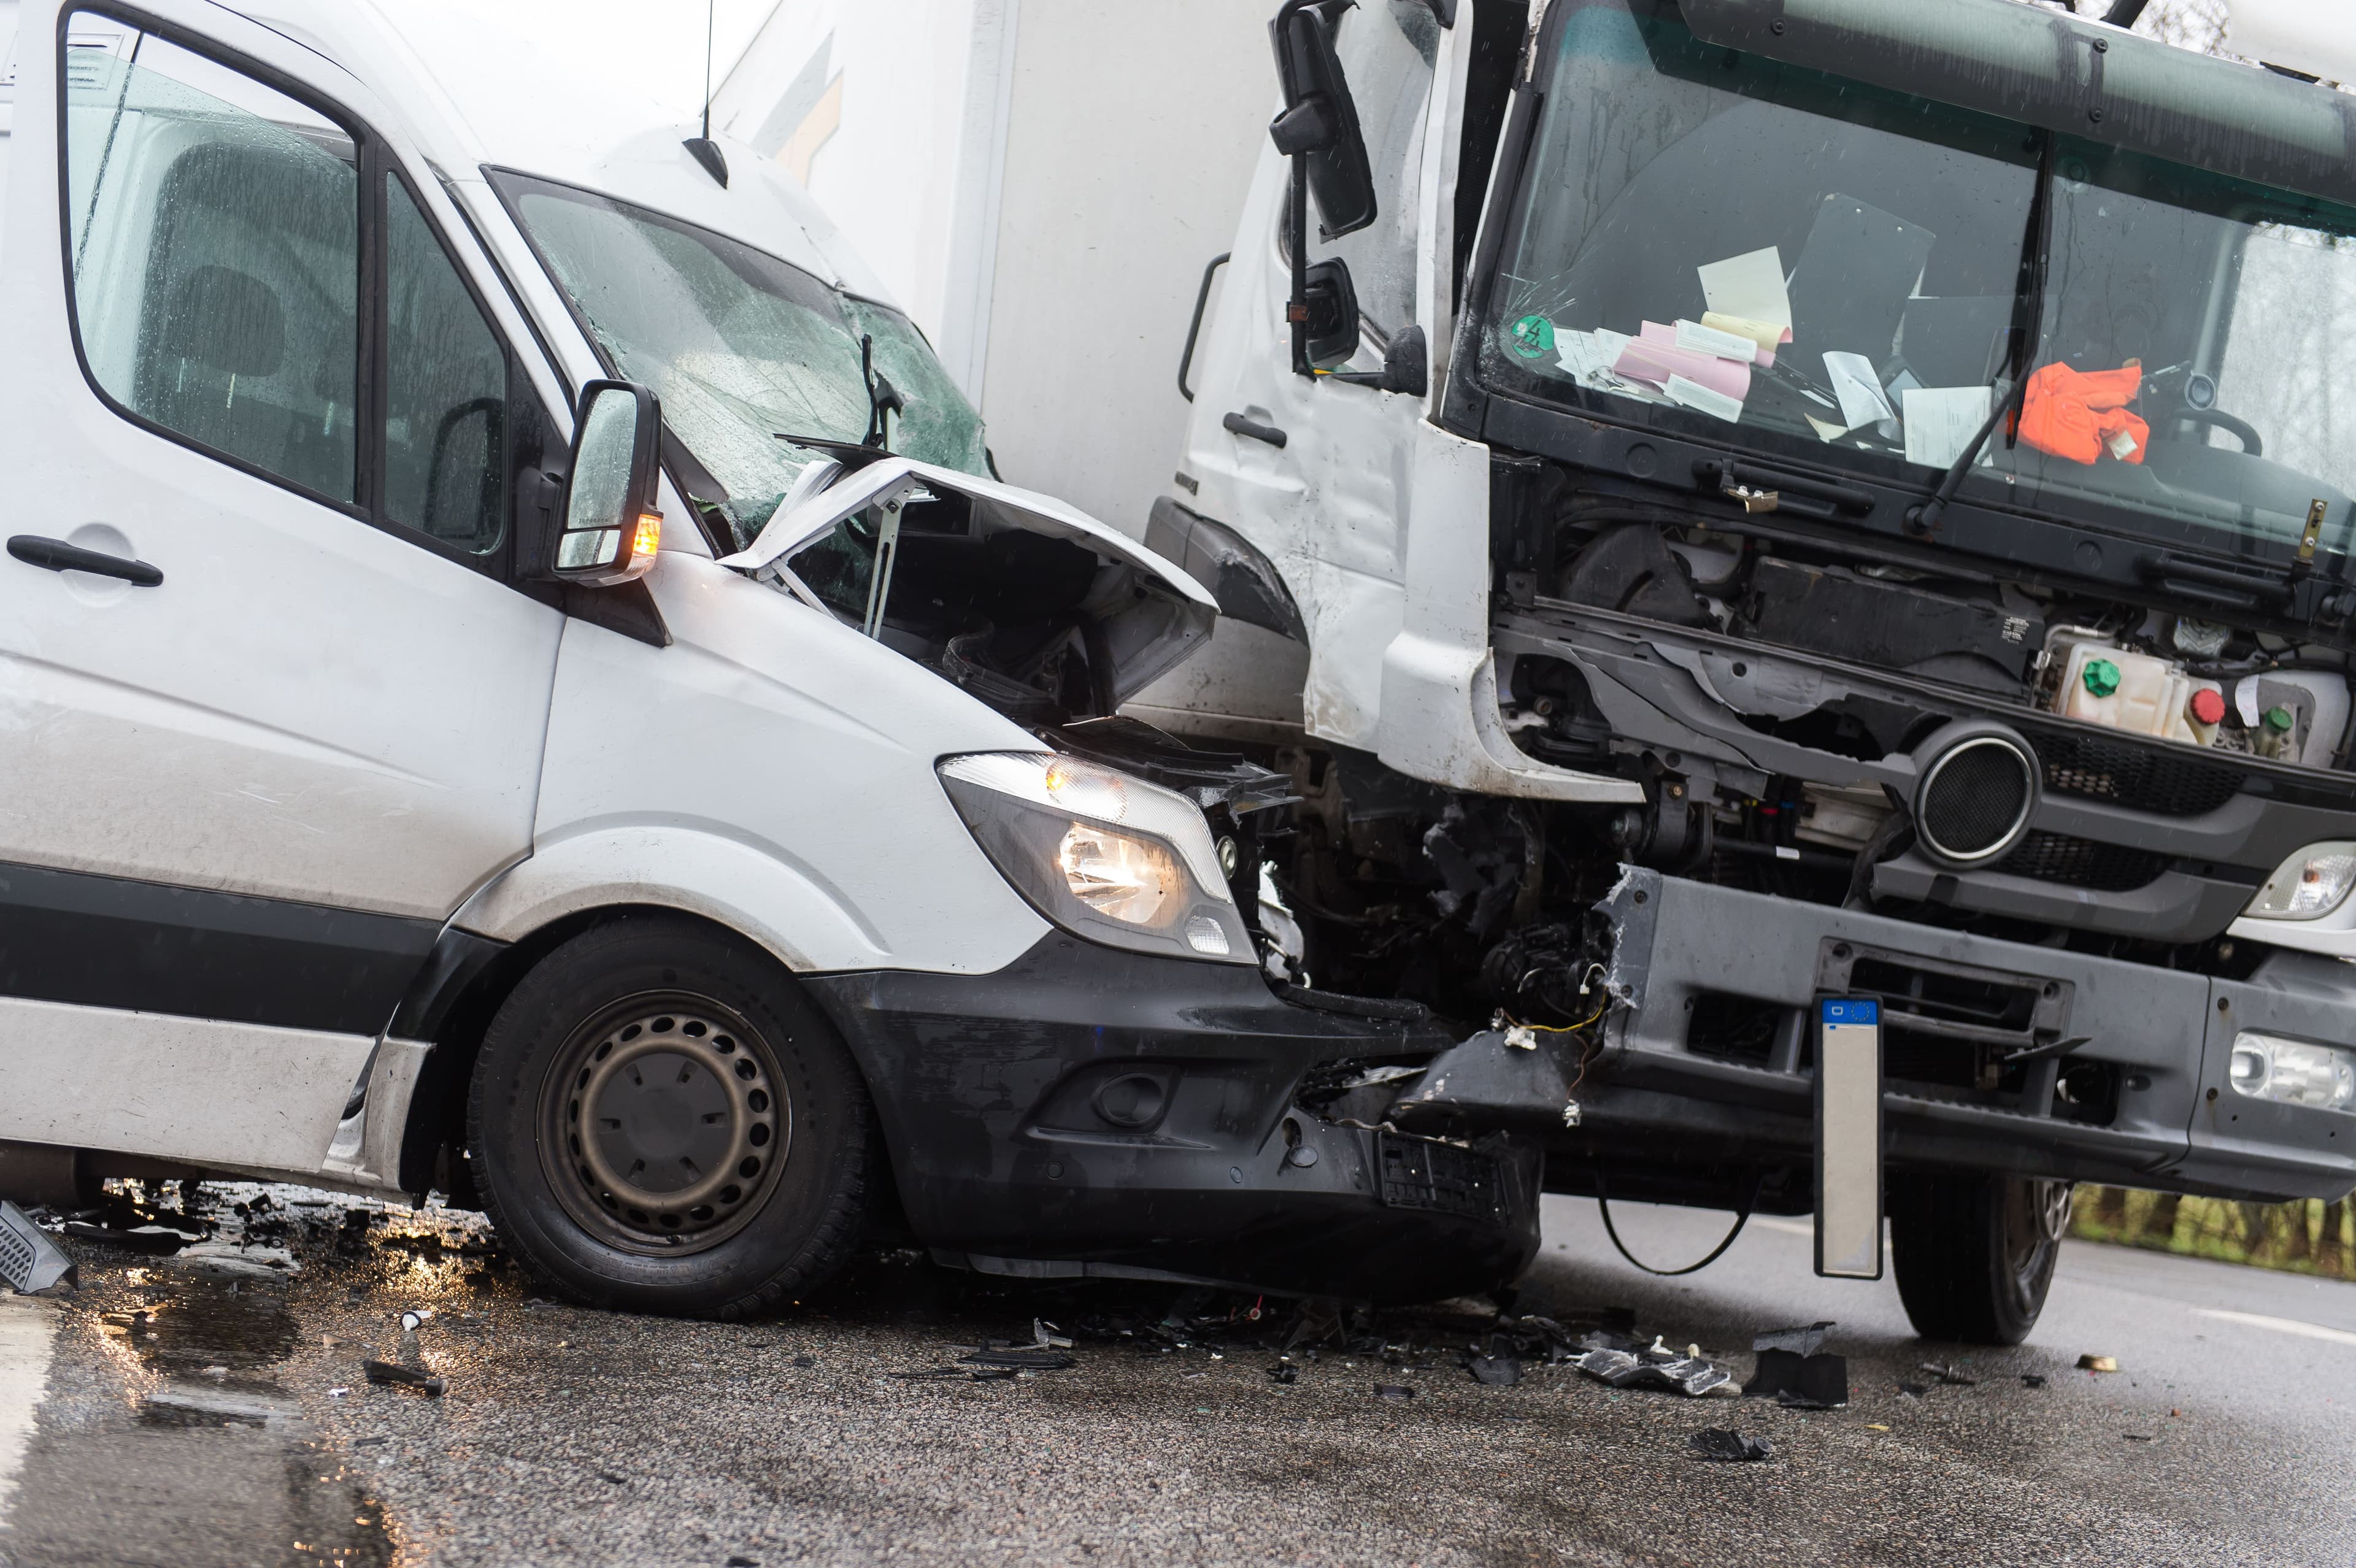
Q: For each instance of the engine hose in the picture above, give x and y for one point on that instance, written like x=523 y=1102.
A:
x=1742 y=1218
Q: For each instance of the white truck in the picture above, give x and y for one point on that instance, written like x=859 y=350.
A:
x=1811 y=540
x=515 y=678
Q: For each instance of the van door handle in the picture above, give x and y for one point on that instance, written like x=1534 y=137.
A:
x=55 y=555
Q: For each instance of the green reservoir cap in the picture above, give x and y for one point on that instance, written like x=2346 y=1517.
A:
x=2279 y=721
x=2101 y=676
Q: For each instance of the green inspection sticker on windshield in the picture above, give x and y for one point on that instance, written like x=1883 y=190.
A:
x=1532 y=338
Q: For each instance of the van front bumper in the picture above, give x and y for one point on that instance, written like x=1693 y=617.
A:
x=1087 y=1112
x=1708 y=1058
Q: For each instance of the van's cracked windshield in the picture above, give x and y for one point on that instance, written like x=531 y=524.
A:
x=742 y=348
x=1811 y=266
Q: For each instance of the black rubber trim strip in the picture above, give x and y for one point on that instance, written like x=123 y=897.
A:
x=109 y=942
x=457 y=961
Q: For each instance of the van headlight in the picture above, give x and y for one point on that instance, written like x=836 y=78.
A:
x=2309 y=885
x=1105 y=855
x=2295 y=1072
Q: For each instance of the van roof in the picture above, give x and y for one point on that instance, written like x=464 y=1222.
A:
x=473 y=94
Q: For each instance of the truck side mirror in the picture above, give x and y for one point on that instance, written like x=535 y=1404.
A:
x=1333 y=302
x=1319 y=127
x=610 y=527
x=1319 y=131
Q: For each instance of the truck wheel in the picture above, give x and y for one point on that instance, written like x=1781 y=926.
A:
x=1974 y=1254
x=661 y=1122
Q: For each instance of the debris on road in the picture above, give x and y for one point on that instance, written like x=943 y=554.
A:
x=1795 y=1368
x=1393 y=1391
x=1022 y=1358
x=1805 y=1339
x=1913 y=1390
x=2032 y=1379
x=1947 y=1374
x=2094 y=1363
x=1656 y=1366
x=29 y=1261
x=1284 y=1371
x=404 y=1377
x=156 y=1241
x=228 y=1261
x=1726 y=1445
x=1495 y=1372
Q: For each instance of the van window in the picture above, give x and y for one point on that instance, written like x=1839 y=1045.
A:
x=445 y=391
x=214 y=226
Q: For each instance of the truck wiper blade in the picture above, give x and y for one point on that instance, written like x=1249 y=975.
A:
x=2027 y=333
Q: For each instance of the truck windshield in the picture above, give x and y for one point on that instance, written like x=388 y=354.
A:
x=739 y=345
x=1775 y=258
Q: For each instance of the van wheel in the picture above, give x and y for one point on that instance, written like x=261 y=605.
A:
x=661 y=1122
x=1974 y=1254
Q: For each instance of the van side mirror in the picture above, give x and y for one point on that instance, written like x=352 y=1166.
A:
x=610 y=527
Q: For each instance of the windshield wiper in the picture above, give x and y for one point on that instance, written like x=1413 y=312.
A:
x=2027 y=333
x=882 y=397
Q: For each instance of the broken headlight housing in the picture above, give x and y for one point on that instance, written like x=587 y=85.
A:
x=2295 y=1072
x=2309 y=885
x=1101 y=854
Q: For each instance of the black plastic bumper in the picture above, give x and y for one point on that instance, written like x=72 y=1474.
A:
x=1089 y=1112
x=2164 y=1036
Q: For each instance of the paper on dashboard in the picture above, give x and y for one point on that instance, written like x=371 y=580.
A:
x=1654 y=357
x=1862 y=400
x=1942 y=421
x=1746 y=297
x=1588 y=353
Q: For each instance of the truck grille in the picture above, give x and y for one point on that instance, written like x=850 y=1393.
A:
x=2159 y=779
x=2084 y=863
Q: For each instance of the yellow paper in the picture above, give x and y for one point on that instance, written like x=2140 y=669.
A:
x=1766 y=334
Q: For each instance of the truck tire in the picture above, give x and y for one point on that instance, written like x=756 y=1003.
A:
x=661 y=1122
x=1974 y=1254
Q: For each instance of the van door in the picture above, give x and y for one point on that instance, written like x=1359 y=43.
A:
x=270 y=706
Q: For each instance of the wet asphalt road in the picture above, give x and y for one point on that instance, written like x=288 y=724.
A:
x=211 y=1431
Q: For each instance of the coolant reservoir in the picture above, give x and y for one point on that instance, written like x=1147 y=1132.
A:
x=2127 y=690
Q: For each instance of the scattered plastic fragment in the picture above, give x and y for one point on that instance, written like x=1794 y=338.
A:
x=1815 y=1381
x=2032 y=1379
x=367 y=1441
x=2094 y=1363
x=2137 y=1437
x=1393 y=1391
x=1727 y=1446
x=1803 y=1340
x=738 y=1560
x=404 y=1377
x=1045 y=1334
x=1876 y=1426
x=1284 y=1373
x=1654 y=1368
x=154 y=1239
x=1947 y=1374
x=29 y=1261
x=1913 y=1390
x=805 y=1361
x=1026 y=1358
x=1497 y=1371
x=338 y=1392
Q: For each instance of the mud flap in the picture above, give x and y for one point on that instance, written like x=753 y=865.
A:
x=1849 y=1141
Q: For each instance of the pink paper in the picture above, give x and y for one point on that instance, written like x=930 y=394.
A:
x=1653 y=357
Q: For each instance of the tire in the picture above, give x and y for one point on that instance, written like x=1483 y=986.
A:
x=1974 y=1254
x=661 y=1122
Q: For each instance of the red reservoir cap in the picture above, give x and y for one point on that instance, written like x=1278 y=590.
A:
x=2207 y=707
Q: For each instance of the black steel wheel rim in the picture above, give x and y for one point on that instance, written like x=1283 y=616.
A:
x=2038 y=1217
x=663 y=1124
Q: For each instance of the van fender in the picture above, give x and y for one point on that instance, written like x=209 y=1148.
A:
x=756 y=890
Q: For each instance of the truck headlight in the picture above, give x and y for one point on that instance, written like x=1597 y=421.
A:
x=1105 y=855
x=2268 y=1067
x=2309 y=885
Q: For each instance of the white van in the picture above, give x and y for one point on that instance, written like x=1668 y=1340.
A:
x=515 y=678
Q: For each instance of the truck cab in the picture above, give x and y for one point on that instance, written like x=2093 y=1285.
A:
x=519 y=679
x=1793 y=506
